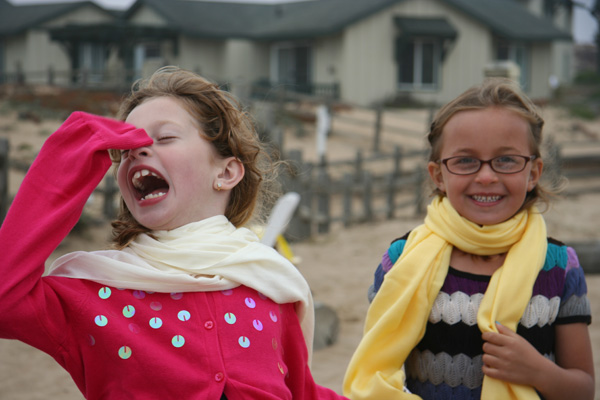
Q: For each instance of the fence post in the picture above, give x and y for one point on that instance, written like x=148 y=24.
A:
x=4 y=150
x=323 y=200
x=347 y=183
x=110 y=189
x=368 y=196
x=397 y=161
x=391 y=192
x=419 y=206
x=377 y=136
x=299 y=227
x=358 y=166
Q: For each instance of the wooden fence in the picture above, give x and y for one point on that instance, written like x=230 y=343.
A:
x=353 y=191
x=106 y=192
x=380 y=186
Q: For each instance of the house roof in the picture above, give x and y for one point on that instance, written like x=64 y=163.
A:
x=17 y=19
x=286 y=21
x=510 y=19
x=302 y=19
x=437 y=27
x=313 y=18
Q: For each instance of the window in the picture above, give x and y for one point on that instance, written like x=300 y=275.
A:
x=292 y=65
x=517 y=53
x=92 y=57
x=152 y=50
x=419 y=63
x=141 y=54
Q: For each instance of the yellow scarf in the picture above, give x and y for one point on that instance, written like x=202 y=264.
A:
x=397 y=318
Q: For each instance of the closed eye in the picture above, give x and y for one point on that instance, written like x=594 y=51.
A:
x=166 y=138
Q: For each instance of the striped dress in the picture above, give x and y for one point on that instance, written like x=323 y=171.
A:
x=446 y=364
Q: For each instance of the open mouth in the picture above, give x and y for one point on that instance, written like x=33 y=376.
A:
x=149 y=185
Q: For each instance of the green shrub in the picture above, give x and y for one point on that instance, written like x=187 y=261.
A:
x=588 y=77
x=582 y=111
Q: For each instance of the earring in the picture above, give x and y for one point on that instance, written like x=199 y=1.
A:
x=219 y=185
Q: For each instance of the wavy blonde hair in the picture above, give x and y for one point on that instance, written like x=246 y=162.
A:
x=494 y=92
x=225 y=125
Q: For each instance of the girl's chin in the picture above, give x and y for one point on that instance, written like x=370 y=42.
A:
x=154 y=223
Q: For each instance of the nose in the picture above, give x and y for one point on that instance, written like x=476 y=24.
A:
x=140 y=152
x=486 y=174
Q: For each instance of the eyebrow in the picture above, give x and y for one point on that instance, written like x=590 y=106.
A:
x=158 y=125
x=501 y=149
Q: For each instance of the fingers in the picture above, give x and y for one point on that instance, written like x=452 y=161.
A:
x=494 y=354
x=495 y=346
x=93 y=132
x=118 y=134
x=508 y=356
x=504 y=329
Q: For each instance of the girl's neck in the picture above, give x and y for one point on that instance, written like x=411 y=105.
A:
x=474 y=264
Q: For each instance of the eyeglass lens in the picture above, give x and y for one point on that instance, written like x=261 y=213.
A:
x=503 y=164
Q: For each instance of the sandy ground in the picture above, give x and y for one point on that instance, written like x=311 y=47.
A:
x=338 y=266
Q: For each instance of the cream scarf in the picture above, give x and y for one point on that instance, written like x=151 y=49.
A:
x=208 y=255
x=397 y=318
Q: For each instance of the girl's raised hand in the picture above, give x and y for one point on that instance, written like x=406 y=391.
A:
x=71 y=163
x=102 y=133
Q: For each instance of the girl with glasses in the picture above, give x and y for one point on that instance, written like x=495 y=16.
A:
x=478 y=302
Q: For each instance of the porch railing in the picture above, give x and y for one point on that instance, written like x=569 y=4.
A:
x=86 y=78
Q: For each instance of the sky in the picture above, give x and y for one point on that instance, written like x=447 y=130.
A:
x=585 y=27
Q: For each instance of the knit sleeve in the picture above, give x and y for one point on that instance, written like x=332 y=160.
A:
x=71 y=163
x=388 y=260
x=574 y=305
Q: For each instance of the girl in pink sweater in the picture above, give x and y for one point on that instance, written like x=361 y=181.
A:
x=189 y=304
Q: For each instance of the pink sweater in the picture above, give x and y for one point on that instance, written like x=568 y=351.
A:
x=125 y=344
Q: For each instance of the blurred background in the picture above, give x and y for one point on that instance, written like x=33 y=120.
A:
x=345 y=90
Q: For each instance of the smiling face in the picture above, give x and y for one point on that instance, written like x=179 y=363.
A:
x=486 y=197
x=172 y=182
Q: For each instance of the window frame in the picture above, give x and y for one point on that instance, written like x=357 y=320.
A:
x=292 y=48
x=418 y=44
x=517 y=52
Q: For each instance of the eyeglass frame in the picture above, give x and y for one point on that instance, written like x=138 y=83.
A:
x=489 y=162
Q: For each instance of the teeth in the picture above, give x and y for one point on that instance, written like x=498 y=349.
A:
x=153 y=196
x=137 y=183
x=486 y=199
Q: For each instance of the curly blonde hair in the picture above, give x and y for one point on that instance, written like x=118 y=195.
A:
x=223 y=123
x=494 y=92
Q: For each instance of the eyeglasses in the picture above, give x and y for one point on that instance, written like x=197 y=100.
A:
x=507 y=164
